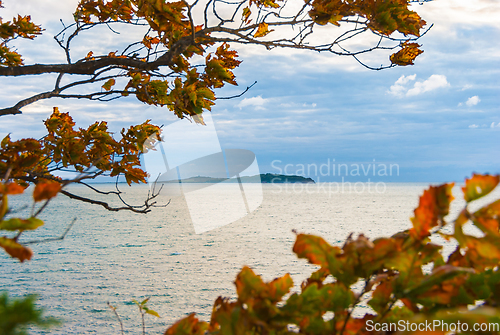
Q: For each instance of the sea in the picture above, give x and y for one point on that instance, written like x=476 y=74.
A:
x=116 y=257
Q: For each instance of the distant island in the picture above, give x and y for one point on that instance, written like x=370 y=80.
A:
x=280 y=178
x=267 y=178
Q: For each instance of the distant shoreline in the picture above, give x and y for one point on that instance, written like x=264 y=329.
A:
x=267 y=178
x=263 y=178
x=286 y=180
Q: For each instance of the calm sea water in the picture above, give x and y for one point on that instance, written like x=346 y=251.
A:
x=116 y=257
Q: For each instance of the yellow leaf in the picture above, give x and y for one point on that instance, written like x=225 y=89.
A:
x=154 y=313
x=406 y=55
x=20 y=224
x=263 y=30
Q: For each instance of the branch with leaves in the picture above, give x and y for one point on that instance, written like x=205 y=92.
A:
x=89 y=153
x=184 y=54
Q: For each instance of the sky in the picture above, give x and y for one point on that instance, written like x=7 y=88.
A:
x=437 y=121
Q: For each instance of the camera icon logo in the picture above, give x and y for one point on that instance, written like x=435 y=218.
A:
x=190 y=162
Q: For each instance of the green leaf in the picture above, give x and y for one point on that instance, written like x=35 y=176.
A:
x=381 y=296
x=18 y=313
x=438 y=276
x=21 y=224
x=109 y=84
x=478 y=186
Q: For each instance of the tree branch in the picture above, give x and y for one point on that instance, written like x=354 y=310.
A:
x=104 y=204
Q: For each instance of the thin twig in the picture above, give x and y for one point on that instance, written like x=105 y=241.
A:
x=54 y=238
x=118 y=317
x=239 y=95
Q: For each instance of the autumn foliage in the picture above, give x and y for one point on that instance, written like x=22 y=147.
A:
x=186 y=50
x=31 y=161
x=90 y=153
x=405 y=277
x=185 y=54
x=19 y=27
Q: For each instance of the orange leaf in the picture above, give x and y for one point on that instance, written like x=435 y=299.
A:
x=478 y=186
x=46 y=190
x=486 y=219
x=11 y=188
x=15 y=249
x=279 y=287
x=89 y=56
x=188 y=325
x=434 y=205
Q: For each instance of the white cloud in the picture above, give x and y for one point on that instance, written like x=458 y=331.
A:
x=403 y=80
x=485 y=126
x=434 y=82
x=400 y=87
x=258 y=102
x=472 y=101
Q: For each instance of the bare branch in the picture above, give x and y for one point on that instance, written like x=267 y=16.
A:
x=104 y=204
x=238 y=95
x=54 y=238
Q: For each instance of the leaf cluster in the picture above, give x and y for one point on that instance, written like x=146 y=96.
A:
x=43 y=192
x=402 y=277
x=65 y=147
x=17 y=314
x=19 y=27
x=89 y=152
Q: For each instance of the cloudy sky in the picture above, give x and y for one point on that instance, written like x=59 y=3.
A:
x=438 y=120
